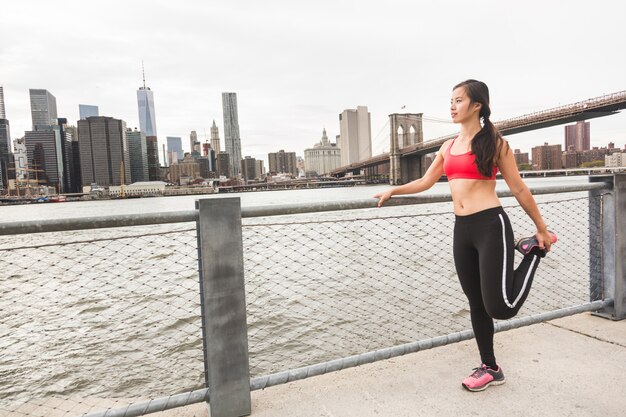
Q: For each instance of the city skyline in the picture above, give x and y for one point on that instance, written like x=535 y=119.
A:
x=291 y=87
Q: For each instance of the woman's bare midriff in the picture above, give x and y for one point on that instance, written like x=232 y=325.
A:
x=471 y=196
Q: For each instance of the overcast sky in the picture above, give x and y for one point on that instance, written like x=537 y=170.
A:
x=296 y=65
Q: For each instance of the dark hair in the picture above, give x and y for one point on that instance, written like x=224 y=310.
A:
x=487 y=143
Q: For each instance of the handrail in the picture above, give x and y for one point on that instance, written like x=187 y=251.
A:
x=101 y=222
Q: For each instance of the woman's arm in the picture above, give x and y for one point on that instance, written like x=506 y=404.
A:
x=508 y=168
x=432 y=175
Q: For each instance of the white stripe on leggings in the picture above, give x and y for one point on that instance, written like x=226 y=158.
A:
x=532 y=264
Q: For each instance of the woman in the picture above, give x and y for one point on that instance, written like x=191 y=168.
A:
x=483 y=237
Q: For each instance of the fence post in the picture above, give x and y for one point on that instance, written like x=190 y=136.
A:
x=608 y=243
x=223 y=306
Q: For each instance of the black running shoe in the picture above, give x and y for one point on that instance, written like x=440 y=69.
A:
x=530 y=245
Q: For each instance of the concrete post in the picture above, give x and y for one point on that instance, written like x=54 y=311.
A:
x=608 y=254
x=222 y=290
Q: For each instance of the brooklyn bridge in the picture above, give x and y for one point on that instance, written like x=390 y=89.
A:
x=406 y=159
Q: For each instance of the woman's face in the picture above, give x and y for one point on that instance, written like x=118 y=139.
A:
x=461 y=107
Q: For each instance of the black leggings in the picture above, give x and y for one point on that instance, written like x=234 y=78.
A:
x=483 y=256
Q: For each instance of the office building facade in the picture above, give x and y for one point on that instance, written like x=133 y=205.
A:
x=282 y=162
x=45 y=157
x=5 y=154
x=232 y=139
x=43 y=109
x=223 y=165
x=355 y=135
x=174 y=149
x=103 y=148
x=86 y=110
x=3 y=114
x=248 y=168
x=138 y=155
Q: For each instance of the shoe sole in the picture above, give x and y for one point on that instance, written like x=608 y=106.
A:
x=533 y=244
x=484 y=387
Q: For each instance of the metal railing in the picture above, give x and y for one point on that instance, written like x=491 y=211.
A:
x=98 y=317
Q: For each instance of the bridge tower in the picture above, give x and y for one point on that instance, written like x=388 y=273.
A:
x=406 y=130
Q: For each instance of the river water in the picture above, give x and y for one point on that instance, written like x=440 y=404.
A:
x=115 y=313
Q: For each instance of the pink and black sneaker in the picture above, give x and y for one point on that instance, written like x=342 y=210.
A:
x=482 y=377
x=529 y=244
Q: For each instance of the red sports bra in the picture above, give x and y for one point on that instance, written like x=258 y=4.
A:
x=463 y=166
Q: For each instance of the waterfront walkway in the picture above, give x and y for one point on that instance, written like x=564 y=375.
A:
x=575 y=366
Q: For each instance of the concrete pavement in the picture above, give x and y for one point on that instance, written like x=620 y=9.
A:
x=574 y=366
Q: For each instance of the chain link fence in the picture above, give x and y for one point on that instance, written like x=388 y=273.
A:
x=92 y=321
x=103 y=319
x=330 y=289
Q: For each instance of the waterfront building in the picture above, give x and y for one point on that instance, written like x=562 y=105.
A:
x=211 y=157
x=521 y=157
x=145 y=104
x=186 y=167
x=174 y=149
x=3 y=114
x=138 y=155
x=5 y=154
x=86 y=110
x=103 y=148
x=232 y=139
x=547 y=157
x=355 y=135
x=570 y=158
x=204 y=167
x=578 y=135
x=43 y=109
x=195 y=147
x=322 y=158
x=283 y=162
x=260 y=168
x=248 y=168
x=143 y=189
x=154 y=167
x=616 y=159
x=45 y=156
x=223 y=165
x=215 y=138
x=65 y=137
x=21 y=159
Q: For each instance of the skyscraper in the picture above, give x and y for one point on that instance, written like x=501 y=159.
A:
x=103 y=147
x=43 y=109
x=45 y=156
x=175 y=147
x=145 y=102
x=147 y=124
x=5 y=152
x=194 y=144
x=5 y=143
x=232 y=139
x=138 y=155
x=86 y=110
x=3 y=114
x=355 y=135
x=578 y=136
x=215 y=138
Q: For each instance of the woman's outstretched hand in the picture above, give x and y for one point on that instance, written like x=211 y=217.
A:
x=544 y=239
x=382 y=197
